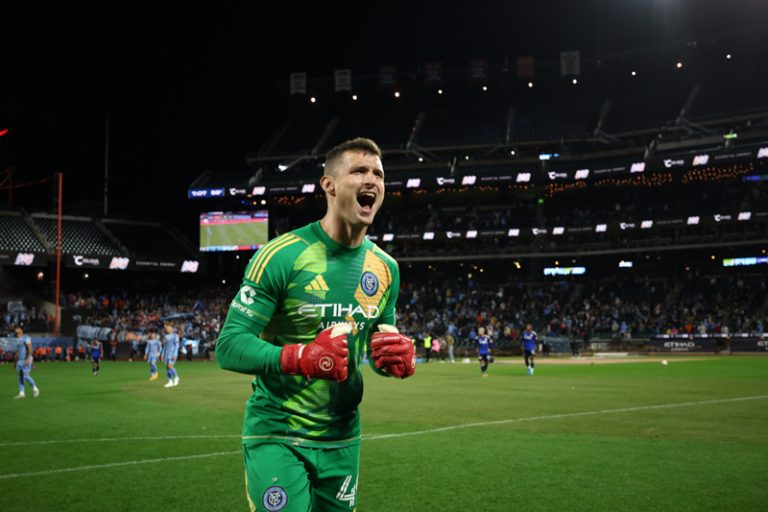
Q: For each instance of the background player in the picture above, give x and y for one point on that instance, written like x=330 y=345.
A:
x=97 y=351
x=483 y=350
x=530 y=339
x=169 y=355
x=151 y=353
x=310 y=303
x=23 y=359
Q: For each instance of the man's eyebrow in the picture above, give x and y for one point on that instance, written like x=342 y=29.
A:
x=363 y=167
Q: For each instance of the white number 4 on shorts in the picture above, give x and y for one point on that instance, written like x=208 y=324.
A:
x=343 y=495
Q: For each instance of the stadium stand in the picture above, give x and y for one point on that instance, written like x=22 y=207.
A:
x=147 y=239
x=79 y=235
x=17 y=235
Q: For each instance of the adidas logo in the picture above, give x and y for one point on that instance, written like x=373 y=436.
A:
x=317 y=284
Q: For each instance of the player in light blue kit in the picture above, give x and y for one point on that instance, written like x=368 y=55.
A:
x=151 y=353
x=169 y=355
x=24 y=363
x=483 y=350
x=530 y=339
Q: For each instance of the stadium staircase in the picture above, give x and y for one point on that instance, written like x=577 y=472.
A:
x=36 y=231
x=181 y=239
x=110 y=236
x=323 y=140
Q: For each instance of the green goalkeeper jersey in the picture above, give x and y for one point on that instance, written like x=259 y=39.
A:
x=295 y=286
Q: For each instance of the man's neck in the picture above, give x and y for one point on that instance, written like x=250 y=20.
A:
x=341 y=232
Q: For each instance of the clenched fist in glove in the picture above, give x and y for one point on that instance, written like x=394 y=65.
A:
x=325 y=358
x=393 y=352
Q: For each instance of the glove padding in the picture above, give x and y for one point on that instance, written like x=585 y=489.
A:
x=325 y=358
x=392 y=352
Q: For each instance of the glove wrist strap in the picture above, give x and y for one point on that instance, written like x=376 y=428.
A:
x=290 y=357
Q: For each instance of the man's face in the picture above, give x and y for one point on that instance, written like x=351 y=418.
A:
x=359 y=187
x=19 y=332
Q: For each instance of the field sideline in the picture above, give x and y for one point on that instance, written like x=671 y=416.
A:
x=634 y=436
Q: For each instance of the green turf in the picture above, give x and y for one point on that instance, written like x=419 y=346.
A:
x=243 y=233
x=563 y=439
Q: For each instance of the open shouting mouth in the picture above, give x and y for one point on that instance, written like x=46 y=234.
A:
x=366 y=200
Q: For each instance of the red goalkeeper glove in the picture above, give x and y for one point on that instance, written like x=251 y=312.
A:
x=393 y=352
x=324 y=358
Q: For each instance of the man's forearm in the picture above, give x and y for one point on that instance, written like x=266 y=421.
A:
x=238 y=349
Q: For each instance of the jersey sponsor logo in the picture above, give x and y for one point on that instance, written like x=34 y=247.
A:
x=357 y=326
x=337 y=310
x=274 y=499
x=246 y=295
x=369 y=283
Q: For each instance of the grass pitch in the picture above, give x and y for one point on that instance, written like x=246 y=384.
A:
x=689 y=436
x=240 y=233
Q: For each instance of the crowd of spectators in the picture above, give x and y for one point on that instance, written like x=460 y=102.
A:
x=130 y=317
x=433 y=305
x=614 y=309
x=16 y=312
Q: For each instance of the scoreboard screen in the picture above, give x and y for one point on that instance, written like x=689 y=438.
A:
x=233 y=231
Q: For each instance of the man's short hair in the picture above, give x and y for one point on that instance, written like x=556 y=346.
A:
x=357 y=144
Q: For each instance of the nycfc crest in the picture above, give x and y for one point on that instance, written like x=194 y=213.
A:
x=274 y=499
x=369 y=283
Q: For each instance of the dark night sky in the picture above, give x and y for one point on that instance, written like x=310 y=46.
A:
x=192 y=88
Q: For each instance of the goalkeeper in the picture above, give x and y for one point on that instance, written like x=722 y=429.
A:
x=311 y=301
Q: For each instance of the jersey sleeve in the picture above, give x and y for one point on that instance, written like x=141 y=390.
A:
x=388 y=316
x=240 y=347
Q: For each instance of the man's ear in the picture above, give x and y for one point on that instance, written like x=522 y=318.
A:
x=326 y=182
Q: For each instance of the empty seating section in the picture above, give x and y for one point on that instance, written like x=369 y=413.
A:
x=389 y=129
x=729 y=96
x=146 y=239
x=535 y=129
x=79 y=236
x=15 y=234
x=646 y=108
x=302 y=135
x=463 y=127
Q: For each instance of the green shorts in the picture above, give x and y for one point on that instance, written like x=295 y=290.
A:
x=282 y=477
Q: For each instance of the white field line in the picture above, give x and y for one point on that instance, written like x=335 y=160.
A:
x=111 y=439
x=118 y=464
x=373 y=437
x=564 y=415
